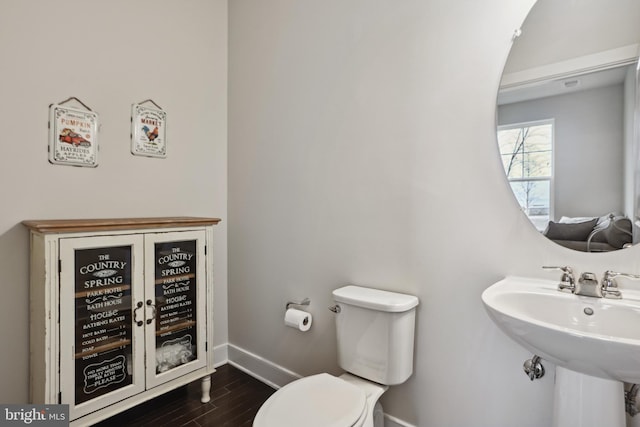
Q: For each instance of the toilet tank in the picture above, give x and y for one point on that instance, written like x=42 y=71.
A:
x=375 y=333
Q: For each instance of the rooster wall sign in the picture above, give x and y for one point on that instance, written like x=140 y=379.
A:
x=148 y=130
x=73 y=135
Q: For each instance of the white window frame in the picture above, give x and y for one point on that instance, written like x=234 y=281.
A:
x=551 y=178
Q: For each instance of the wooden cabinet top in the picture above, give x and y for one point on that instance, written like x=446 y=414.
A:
x=105 y=224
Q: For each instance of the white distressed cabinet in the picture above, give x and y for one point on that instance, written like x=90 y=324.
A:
x=121 y=311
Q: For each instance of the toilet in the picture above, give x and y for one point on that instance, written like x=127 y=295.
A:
x=375 y=334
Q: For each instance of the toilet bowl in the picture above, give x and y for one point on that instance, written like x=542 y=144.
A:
x=324 y=400
x=375 y=334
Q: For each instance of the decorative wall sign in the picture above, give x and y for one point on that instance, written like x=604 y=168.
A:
x=148 y=130
x=73 y=135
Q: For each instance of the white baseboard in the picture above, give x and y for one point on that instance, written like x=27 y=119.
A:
x=270 y=373
x=220 y=355
x=266 y=371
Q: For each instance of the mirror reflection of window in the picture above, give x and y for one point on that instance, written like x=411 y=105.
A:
x=526 y=150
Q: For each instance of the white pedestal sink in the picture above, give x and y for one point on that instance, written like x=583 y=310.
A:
x=594 y=342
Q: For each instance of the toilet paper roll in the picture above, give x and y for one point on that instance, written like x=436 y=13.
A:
x=297 y=319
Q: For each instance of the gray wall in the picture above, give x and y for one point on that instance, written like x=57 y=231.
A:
x=588 y=147
x=110 y=55
x=559 y=30
x=362 y=150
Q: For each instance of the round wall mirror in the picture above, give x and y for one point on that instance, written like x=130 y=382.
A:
x=567 y=122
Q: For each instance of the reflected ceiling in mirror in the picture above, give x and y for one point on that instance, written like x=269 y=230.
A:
x=565 y=117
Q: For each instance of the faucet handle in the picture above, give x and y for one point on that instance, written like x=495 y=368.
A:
x=567 y=280
x=565 y=269
x=610 y=287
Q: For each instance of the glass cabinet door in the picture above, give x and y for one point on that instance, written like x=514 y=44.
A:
x=176 y=300
x=102 y=338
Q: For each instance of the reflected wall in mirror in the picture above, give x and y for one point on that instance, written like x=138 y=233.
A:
x=567 y=118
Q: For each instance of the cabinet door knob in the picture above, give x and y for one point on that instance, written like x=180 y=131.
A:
x=153 y=314
x=135 y=313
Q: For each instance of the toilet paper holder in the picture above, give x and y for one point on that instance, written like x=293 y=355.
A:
x=305 y=301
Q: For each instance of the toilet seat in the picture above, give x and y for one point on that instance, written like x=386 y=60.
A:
x=317 y=401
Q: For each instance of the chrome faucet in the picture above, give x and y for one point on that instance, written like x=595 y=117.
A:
x=609 y=287
x=588 y=286
x=567 y=280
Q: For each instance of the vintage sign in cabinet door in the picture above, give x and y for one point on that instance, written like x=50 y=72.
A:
x=101 y=318
x=176 y=293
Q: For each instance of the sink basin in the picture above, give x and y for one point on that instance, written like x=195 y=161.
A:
x=593 y=336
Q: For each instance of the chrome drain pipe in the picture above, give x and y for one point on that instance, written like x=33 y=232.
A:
x=533 y=368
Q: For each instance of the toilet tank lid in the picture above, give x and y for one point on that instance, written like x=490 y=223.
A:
x=375 y=299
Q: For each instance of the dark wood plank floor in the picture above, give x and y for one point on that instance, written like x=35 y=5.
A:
x=235 y=400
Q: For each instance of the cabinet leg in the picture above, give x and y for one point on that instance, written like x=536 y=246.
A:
x=206 y=388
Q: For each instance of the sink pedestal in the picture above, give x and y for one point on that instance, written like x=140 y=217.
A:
x=585 y=401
